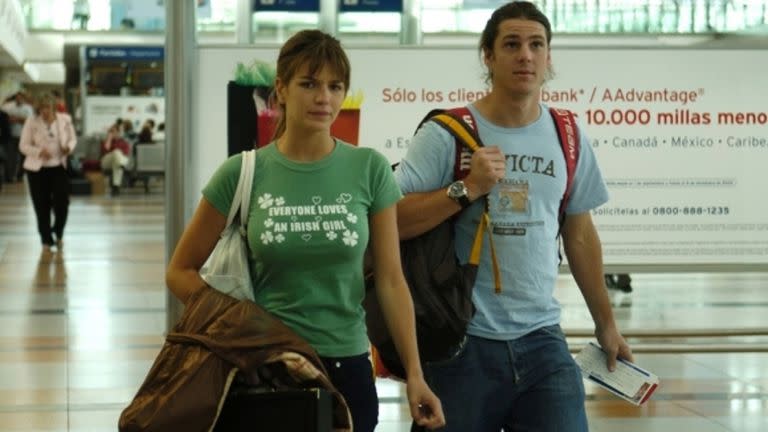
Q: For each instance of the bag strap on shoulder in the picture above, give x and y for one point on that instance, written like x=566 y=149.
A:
x=460 y=123
x=241 y=200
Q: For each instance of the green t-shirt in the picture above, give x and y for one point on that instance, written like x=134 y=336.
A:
x=307 y=233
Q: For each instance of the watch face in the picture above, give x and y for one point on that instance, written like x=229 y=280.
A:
x=457 y=190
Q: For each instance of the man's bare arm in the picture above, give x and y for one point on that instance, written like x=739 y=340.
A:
x=419 y=212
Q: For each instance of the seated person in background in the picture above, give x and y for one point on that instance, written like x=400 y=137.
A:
x=145 y=135
x=127 y=131
x=115 y=155
x=160 y=134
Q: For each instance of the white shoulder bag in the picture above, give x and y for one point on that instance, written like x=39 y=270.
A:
x=227 y=268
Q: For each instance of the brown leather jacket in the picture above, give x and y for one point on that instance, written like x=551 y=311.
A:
x=216 y=337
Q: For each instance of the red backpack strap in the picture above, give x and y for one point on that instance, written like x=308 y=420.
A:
x=463 y=154
x=568 y=135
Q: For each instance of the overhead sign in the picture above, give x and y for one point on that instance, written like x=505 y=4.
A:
x=371 y=6
x=286 y=5
x=125 y=53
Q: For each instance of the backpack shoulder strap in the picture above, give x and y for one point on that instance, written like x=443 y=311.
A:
x=568 y=135
x=460 y=123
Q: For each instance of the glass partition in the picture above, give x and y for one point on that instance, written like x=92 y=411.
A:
x=437 y=16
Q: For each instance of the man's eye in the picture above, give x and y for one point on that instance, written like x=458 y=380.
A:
x=307 y=84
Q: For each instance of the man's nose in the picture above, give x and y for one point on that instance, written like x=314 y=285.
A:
x=525 y=53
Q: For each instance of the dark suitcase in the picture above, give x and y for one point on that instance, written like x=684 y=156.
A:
x=284 y=411
x=79 y=186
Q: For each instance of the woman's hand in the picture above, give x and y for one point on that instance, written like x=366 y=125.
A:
x=426 y=409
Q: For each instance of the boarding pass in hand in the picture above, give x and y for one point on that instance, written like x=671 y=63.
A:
x=628 y=381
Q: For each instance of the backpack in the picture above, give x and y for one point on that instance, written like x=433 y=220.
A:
x=440 y=286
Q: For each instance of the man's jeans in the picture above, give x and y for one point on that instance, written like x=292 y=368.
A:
x=527 y=384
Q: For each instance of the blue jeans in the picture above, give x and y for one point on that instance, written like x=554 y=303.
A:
x=353 y=378
x=526 y=384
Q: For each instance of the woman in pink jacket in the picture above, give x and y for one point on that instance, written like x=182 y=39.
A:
x=46 y=140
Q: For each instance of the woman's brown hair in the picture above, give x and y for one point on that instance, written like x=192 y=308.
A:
x=315 y=49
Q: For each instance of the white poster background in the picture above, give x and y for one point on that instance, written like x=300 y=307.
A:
x=680 y=135
x=102 y=111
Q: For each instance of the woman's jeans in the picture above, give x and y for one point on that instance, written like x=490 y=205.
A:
x=527 y=384
x=353 y=378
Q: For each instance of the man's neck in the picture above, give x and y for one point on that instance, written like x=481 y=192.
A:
x=509 y=111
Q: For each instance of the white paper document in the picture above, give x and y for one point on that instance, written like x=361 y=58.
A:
x=628 y=381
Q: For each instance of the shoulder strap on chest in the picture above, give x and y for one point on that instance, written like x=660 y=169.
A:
x=568 y=135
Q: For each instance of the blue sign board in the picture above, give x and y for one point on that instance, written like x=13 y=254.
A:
x=370 y=5
x=125 y=53
x=286 y=5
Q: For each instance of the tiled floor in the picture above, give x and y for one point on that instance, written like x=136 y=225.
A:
x=79 y=329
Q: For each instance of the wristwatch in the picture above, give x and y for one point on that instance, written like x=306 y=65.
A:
x=458 y=192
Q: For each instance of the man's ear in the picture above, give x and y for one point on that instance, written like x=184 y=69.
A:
x=487 y=57
x=549 y=58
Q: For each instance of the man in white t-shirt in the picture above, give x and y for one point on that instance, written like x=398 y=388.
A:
x=18 y=110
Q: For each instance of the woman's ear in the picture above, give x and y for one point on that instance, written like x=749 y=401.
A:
x=279 y=91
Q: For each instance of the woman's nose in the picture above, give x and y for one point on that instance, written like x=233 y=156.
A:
x=323 y=94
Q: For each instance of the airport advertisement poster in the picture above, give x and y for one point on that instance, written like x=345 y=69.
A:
x=101 y=112
x=680 y=134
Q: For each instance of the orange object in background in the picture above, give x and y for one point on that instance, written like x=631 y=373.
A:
x=265 y=127
x=347 y=126
x=379 y=370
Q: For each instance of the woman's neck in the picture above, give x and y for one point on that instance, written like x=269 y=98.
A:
x=301 y=147
x=48 y=118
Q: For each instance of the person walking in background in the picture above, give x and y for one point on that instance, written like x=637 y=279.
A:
x=307 y=267
x=115 y=157
x=515 y=371
x=19 y=110
x=46 y=139
x=619 y=281
x=61 y=104
x=5 y=144
x=81 y=13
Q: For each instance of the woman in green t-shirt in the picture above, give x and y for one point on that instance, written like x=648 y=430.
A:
x=316 y=202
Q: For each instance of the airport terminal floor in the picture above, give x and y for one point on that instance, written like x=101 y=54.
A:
x=79 y=329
